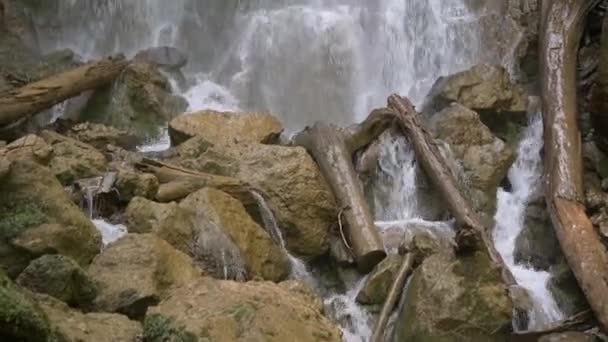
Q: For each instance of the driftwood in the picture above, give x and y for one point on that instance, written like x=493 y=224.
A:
x=38 y=96
x=333 y=149
x=563 y=22
x=177 y=182
x=393 y=297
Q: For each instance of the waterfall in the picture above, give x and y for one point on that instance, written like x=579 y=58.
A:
x=109 y=232
x=525 y=177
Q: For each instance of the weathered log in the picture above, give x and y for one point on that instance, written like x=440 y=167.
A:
x=177 y=182
x=471 y=232
x=38 y=96
x=579 y=322
x=332 y=148
x=393 y=297
x=563 y=22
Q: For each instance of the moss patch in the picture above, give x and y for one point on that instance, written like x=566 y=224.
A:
x=17 y=216
x=159 y=328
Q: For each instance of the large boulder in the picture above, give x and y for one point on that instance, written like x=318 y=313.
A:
x=263 y=257
x=564 y=287
x=139 y=101
x=100 y=136
x=296 y=191
x=455 y=300
x=379 y=281
x=225 y=127
x=74 y=326
x=131 y=183
x=135 y=272
x=30 y=147
x=168 y=221
x=37 y=217
x=20 y=318
x=485 y=159
x=231 y=311
x=60 y=277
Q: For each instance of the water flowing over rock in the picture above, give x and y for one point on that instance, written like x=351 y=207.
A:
x=261 y=255
x=455 y=299
x=136 y=271
x=74 y=326
x=231 y=311
x=60 y=277
x=225 y=127
x=297 y=193
x=37 y=217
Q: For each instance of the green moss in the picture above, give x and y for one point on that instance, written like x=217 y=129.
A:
x=19 y=215
x=159 y=328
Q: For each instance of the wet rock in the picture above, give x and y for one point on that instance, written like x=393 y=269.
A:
x=166 y=57
x=261 y=255
x=139 y=102
x=225 y=127
x=37 y=217
x=594 y=159
x=60 y=277
x=231 y=311
x=424 y=239
x=130 y=183
x=380 y=280
x=481 y=88
x=20 y=318
x=75 y=326
x=485 y=158
x=100 y=136
x=570 y=336
x=73 y=159
x=5 y=167
x=455 y=299
x=168 y=221
x=565 y=289
x=136 y=271
x=537 y=245
x=297 y=193
x=340 y=252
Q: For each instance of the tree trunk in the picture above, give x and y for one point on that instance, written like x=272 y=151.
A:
x=393 y=297
x=332 y=148
x=471 y=232
x=177 y=182
x=562 y=26
x=38 y=96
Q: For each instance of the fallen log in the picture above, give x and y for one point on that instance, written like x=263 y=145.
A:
x=38 y=96
x=561 y=31
x=471 y=233
x=393 y=297
x=177 y=182
x=579 y=322
x=333 y=149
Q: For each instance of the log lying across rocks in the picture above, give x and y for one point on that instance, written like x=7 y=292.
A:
x=471 y=234
x=333 y=149
x=177 y=183
x=562 y=27
x=38 y=96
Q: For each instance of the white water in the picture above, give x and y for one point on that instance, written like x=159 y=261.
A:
x=525 y=177
x=109 y=232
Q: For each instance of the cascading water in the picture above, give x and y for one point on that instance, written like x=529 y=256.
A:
x=525 y=177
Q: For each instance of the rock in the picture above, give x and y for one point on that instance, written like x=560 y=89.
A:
x=135 y=272
x=168 y=221
x=424 y=239
x=75 y=326
x=231 y=311
x=536 y=245
x=484 y=157
x=37 y=217
x=5 y=167
x=565 y=289
x=30 y=147
x=20 y=318
x=139 y=102
x=225 y=127
x=380 y=280
x=569 y=336
x=298 y=195
x=130 y=183
x=455 y=300
x=166 y=57
x=261 y=255
x=100 y=136
x=73 y=159
x=341 y=254
x=481 y=88
x=60 y=277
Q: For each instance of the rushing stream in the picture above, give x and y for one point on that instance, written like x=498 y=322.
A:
x=312 y=60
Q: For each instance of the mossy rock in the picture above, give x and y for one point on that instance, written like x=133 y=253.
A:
x=379 y=281
x=159 y=328
x=60 y=277
x=565 y=289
